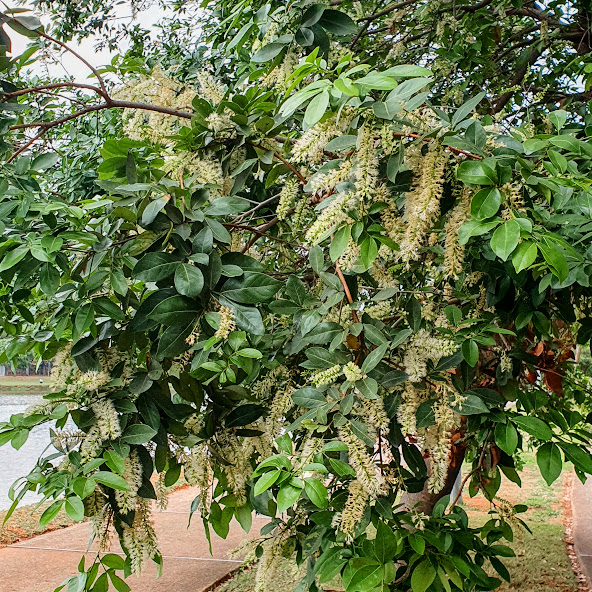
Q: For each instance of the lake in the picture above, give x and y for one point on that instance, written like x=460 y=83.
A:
x=16 y=463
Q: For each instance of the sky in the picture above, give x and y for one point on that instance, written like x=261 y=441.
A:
x=69 y=64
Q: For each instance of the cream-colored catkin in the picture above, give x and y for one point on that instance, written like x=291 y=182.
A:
x=422 y=203
x=367 y=471
x=454 y=252
x=139 y=539
x=127 y=500
x=353 y=512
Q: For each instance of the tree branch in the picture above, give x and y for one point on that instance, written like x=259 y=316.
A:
x=387 y=10
x=504 y=98
x=111 y=104
x=33 y=89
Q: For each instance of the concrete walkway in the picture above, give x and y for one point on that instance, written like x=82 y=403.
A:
x=42 y=563
x=581 y=500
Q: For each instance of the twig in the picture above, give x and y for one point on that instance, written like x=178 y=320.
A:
x=25 y=146
x=55 y=85
x=476 y=469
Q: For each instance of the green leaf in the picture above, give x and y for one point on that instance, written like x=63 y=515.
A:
x=579 y=456
x=524 y=256
x=549 y=461
x=249 y=352
x=138 y=433
x=422 y=577
x=464 y=110
x=251 y=288
x=407 y=71
x=52 y=243
x=363 y=574
x=506 y=437
x=534 y=426
x=476 y=172
x=374 y=357
x=107 y=307
x=309 y=397
x=118 y=583
x=475 y=228
x=244 y=415
x=175 y=310
x=152 y=210
x=317 y=259
x=189 y=280
x=505 y=239
x=113 y=561
x=337 y=22
x=342 y=143
x=558 y=118
x=316 y=108
x=45 y=161
x=227 y=205
x=247 y=318
x=317 y=492
x=287 y=496
x=486 y=203
x=11 y=258
x=471 y=405
x=75 y=508
x=154 y=267
x=266 y=481
x=114 y=461
x=118 y=282
x=50 y=513
x=386 y=543
x=340 y=242
x=470 y=352
x=267 y=53
x=111 y=480
x=49 y=279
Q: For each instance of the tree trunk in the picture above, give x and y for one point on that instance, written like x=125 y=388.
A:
x=424 y=501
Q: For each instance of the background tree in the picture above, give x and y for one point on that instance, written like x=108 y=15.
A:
x=313 y=259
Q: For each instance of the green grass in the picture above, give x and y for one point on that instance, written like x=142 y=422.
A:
x=541 y=563
x=24 y=385
x=24 y=524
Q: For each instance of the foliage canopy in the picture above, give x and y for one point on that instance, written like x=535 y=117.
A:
x=312 y=256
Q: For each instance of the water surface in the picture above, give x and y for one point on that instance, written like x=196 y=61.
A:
x=17 y=463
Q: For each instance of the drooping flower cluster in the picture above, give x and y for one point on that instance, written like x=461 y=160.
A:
x=127 y=500
x=139 y=539
x=156 y=89
x=227 y=324
x=368 y=473
x=288 y=196
x=422 y=204
x=422 y=348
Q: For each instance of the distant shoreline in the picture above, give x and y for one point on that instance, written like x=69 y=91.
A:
x=25 y=385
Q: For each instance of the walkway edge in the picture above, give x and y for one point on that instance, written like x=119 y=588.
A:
x=573 y=512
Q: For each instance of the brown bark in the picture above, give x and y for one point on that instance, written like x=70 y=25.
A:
x=424 y=501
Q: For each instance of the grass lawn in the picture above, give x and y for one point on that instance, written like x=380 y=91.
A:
x=24 y=385
x=24 y=524
x=541 y=564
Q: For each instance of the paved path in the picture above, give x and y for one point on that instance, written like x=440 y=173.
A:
x=581 y=499
x=42 y=563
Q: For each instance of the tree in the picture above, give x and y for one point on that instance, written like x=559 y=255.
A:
x=313 y=264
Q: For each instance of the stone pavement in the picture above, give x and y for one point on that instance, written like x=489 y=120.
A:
x=581 y=499
x=42 y=563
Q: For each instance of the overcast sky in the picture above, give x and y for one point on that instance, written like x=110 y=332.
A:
x=69 y=64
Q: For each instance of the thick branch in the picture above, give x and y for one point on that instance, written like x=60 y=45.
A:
x=102 y=84
x=111 y=104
